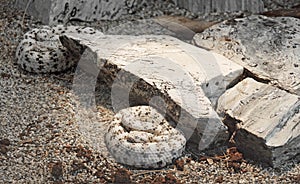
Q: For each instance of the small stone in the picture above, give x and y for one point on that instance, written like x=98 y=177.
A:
x=57 y=171
x=5 y=142
x=253 y=64
x=3 y=149
x=210 y=161
x=3 y=123
x=297 y=178
x=219 y=179
x=122 y=175
x=180 y=164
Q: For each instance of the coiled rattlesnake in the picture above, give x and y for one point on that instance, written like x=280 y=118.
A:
x=42 y=52
x=138 y=136
x=141 y=137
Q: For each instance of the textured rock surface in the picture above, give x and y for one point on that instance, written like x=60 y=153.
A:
x=207 y=6
x=279 y=4
x=61 y=11
x=269 y=121
x=268 y=47
x=166 y=73
x=254 y=6
x=177 y=26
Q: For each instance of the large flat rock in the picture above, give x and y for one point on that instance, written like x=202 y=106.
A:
x=60 y=11
x=267 y=47
x=268 y=118
x=175 y=77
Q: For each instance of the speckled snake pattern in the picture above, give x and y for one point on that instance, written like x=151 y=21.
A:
x=41 y=51
x=140 y=136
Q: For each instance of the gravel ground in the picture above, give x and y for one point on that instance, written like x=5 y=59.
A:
x=47 y=136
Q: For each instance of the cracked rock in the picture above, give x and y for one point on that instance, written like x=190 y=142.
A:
x=267 y=47
x=268 y=121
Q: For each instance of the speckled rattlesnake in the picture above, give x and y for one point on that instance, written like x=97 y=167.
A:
x=141 y=137
x=138 y=136
x=42 y=52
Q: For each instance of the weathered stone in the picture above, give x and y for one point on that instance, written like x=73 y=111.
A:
x=280 y=4
x=209 y=6
x=62 y=11
x=163 y=71
x=268 y=121
x=267 y=47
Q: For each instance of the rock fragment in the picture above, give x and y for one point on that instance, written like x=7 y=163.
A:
x=268 y=121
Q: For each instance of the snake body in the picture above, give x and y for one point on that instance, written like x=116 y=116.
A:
x=141 y=137
x=41 y=51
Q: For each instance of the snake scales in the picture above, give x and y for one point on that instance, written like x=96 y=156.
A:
x=41 y=51
x=141 y=137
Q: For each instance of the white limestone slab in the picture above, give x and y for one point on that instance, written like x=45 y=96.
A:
x=268 y=121
x=165 y=67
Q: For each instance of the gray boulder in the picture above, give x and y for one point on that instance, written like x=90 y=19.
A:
x=267 y=121
x=267 y=47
